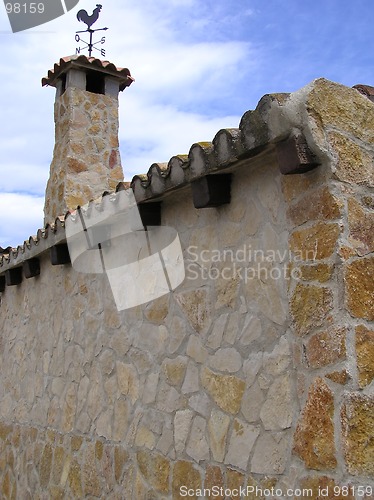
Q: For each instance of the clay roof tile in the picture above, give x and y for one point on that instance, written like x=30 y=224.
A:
x=82 y=61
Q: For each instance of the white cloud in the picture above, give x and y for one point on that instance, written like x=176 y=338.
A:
x=24 y=178
x=189 y=71
x=22 y=216
x=160 y=132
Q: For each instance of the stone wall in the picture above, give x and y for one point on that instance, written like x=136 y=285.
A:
x=257 y=371
x=333 y=305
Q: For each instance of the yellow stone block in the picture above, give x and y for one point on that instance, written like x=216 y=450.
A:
x=316 y=242
x=155 y=469
x=357 y=418
x=354 y=164
x=365 y=355
x=314 y=435
x=334 y=105
x=310 y=306
x=226 y=390
x=185 y=474
x=360 y=288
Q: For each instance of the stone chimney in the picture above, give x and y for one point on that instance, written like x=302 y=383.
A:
x=86 y=160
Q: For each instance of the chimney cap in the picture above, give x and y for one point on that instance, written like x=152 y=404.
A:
x=87 y=63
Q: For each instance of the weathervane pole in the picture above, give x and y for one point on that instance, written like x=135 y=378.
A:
x=90 y=45
x=89 y=21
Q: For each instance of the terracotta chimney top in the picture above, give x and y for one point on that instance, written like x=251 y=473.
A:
x=86 y=160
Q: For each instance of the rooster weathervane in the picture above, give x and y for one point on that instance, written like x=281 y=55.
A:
x=89 y=21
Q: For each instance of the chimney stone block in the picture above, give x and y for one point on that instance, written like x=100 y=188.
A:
x=76 y=78
x=111 y=87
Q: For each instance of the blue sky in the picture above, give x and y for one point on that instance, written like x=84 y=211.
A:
x=198 y=66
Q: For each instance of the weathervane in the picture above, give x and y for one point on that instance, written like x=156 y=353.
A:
x=89 y=21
